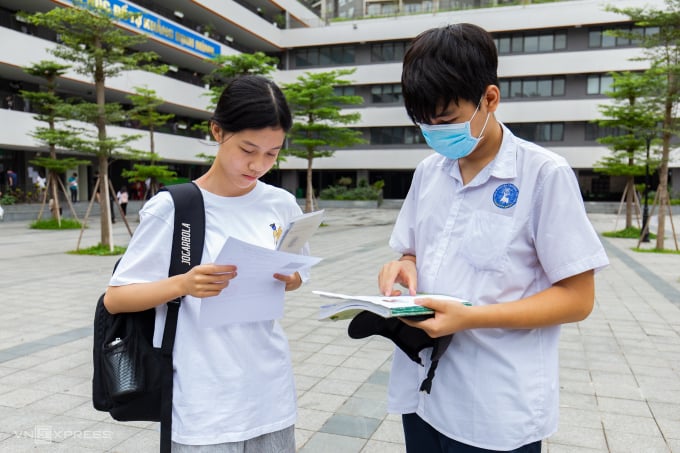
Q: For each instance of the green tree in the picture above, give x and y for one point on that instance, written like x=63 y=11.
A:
x=317 y=111
x=144 y=110
x=95 y=46
x=52 y=109
x=634 y=122
x=658 y=33
x=228 y=67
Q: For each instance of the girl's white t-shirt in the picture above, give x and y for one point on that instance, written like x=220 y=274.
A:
x=232 y=382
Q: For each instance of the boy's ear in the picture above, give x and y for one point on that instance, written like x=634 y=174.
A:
x=492 y=97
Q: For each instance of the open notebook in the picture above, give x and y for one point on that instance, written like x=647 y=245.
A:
x=346 y=306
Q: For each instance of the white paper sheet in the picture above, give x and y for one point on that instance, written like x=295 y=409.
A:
x=254 y=295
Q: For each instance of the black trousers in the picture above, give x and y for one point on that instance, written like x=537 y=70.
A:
x=421 y=437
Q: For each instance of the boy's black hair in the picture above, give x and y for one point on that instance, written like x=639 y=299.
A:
x=451 y=63
x=252 y=102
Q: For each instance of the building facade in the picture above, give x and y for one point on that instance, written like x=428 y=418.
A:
x=554 y=67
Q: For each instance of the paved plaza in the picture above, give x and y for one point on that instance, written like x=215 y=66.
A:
x=620 y=368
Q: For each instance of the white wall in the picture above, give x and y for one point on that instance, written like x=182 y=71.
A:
x=407 y=159
x=568 y=13
x=27 y=50
x=364 y=158
x=231 y=11
x=18 y=127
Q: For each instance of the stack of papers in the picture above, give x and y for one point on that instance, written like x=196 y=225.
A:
x=255 y=295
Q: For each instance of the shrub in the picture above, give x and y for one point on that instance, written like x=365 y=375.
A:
x=99 y=250
x=363 y=191
x=8 y=199
x=51 y=224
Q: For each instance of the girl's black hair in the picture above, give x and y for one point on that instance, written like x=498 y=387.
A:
x=447 y=64
x=252 y=102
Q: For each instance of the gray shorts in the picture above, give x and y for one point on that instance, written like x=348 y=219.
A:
x=277 y=442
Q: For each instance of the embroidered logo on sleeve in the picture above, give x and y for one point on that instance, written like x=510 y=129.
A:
x=505 y=196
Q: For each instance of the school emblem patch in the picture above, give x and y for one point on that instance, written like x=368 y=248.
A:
x=276 y=232
x=505 y=196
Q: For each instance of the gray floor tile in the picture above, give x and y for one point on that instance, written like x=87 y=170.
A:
x=620 y=382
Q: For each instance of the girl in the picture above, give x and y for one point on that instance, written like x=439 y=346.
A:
x=233 y=384
x=123 y=198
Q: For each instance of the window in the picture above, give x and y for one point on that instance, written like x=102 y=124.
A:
x=503 y=45
x=387 y=135
x=396 y=136
x=599 y=84
x=413 y=136
x=345 y=90
x=386 y=94
x=531 y=43
x=388 y=51
x=607 y=40
x=380 y=9
x=324 y=56
x=532 y=87
x=546 y=43
x=598 y=37
x=411 y=8
x=560 y=42
x=538 y=132
x=373 y=9
x=595 y=131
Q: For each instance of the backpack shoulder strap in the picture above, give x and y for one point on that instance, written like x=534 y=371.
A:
x=187 y=247
x=189 y=232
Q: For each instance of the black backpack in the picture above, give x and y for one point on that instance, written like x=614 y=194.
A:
x=132 y=380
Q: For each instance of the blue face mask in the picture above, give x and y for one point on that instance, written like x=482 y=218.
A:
x=454 y=141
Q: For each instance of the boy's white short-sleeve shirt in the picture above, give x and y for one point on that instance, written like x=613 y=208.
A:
x=232 y=382
x=518 y=227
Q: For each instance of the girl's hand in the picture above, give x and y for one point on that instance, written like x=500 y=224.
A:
x=293 y=281
x=207 y=280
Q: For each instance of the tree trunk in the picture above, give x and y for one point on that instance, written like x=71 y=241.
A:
x=662 y=189
x=54 y=190
x=630 y=198
x=310 y=186
x=104 y=204
x=55 y=196
x=152 y=145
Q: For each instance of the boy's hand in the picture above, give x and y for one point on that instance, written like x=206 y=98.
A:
x=208 y=280
x=449 y=317
x=402 y=272
x=293 y=281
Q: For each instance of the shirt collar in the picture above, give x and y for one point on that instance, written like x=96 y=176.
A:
x=503 y=166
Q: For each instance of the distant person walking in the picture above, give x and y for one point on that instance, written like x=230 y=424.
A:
x=12 y=180
x=73 y=187
x=122 y=196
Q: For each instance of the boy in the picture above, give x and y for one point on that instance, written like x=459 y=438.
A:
x=500 y=222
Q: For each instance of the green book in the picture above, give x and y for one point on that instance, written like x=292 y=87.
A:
x=346 y=306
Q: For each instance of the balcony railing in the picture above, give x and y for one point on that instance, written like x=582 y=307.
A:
x=374 y=9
